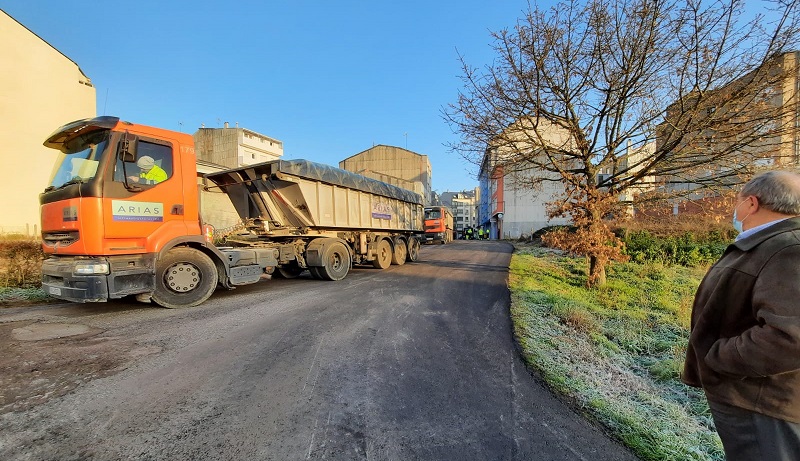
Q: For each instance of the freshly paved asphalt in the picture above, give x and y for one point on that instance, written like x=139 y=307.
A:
x=415 y=362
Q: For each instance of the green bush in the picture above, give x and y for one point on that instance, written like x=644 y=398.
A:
x=687 y=249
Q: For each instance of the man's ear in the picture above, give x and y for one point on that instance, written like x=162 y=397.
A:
x=756 y=206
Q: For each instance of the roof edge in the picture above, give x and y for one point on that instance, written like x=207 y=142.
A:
x=48 y=43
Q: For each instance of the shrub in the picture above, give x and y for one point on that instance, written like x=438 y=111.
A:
x=537 y=236
x=687 y=249
x=20 y=262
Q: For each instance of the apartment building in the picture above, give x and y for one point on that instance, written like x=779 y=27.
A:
x=464 y=206
x=508 y=202
x=748 y=125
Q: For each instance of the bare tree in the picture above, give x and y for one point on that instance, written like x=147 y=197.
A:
x=695 y=86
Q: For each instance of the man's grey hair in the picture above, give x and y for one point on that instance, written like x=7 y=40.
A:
x=778 y=191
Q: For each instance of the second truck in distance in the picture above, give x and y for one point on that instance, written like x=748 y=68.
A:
x=438 y=225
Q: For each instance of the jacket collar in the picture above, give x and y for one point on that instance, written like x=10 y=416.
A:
x=756 y=239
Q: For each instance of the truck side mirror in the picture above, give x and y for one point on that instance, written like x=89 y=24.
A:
x=127 y=148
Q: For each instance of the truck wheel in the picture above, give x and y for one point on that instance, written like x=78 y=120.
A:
x=315 y=273
x=336 y=262
x=383 y=257
x=290 y=271
x=185 y=277
x=413 y=249
x=400 y=252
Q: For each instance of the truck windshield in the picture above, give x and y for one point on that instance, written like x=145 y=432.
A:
x=433 y=214
x=79 y=162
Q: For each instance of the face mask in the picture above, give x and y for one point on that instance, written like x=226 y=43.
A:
x=736 y=223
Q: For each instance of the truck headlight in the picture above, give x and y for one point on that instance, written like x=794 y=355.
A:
x=91 y=268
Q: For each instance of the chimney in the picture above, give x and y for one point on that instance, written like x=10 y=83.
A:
x=226 y=125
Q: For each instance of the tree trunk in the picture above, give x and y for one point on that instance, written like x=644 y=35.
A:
x=597 y=272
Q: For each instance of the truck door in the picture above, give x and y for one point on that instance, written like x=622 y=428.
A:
x=151 y=205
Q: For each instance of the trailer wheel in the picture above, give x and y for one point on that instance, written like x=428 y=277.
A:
x=290 y=271
x=185 y=277
x=336 y=262
x=400 y=252
x=383 y=256
x=413 y=249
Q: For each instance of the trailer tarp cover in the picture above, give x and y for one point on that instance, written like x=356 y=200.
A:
x=327 y=174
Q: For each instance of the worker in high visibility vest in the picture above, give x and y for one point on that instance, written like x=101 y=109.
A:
x=150 y=172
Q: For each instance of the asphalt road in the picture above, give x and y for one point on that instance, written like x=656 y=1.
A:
x=412 y=362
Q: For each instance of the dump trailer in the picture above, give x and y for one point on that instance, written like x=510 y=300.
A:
x=315 y=210
x=122 y=216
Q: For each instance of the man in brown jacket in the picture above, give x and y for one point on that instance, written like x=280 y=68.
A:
x=744 y=346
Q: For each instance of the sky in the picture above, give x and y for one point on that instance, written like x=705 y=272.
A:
x=329 y=79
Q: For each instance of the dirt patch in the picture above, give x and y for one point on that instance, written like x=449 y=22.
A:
x=40 y=361
x=42 y=331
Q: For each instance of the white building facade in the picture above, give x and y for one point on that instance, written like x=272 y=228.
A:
x=510 y=203
x=235 y=147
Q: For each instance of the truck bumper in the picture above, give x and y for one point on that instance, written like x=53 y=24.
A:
x=433 y=237
x=127 y=275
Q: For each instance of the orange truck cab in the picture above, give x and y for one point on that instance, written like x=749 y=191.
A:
x=111 y=232
x=438 y=224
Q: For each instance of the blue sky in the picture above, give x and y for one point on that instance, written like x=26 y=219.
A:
x=328 y=78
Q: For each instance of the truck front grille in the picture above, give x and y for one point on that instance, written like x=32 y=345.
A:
x=62 y=239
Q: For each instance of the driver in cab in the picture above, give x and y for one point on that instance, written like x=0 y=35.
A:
x=150 y=172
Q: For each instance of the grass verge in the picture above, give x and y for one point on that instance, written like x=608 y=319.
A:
x=12 y=296
x=615 y=351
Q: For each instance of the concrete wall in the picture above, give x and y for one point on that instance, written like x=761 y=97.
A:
x=393 y=161
x=417 y=187
x=40 y=90
x=220 y=146
x=215 y=206
x=216 y=209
